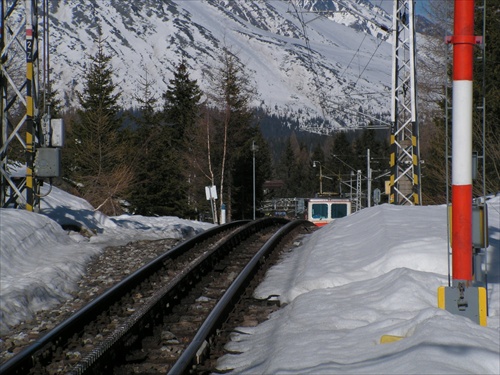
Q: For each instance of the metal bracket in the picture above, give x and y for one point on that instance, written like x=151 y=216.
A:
x=463 y=300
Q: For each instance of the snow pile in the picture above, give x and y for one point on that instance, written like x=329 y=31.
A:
x=41 y=262
x=372 y=274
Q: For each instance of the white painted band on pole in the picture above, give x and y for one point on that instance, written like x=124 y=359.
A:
x=462 y=133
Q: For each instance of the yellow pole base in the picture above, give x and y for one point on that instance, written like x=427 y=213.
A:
x=471 y=302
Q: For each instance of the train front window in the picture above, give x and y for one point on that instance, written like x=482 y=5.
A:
x=319 y=211
x=339 y=210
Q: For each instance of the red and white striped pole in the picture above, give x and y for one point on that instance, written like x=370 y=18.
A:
x=463 y=49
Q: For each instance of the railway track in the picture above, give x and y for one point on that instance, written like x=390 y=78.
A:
x=171 y=316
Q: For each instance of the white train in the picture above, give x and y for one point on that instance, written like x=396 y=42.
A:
x=322 y=211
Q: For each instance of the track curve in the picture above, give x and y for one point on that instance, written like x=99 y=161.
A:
x=156 y=318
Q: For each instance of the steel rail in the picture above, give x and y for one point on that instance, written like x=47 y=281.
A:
x=103 y=356
x=220 y=312
x=25 y=360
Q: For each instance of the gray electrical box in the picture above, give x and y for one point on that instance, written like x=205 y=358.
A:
x=57 y=132
x=48 y=162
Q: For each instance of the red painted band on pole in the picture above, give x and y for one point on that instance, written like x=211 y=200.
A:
x=462 y=71
x=461 y=232
x=464 y=17
x=463 y=40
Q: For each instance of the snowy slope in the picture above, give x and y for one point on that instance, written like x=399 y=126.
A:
x=371 y=274
x=303 y=64
x=40 y=262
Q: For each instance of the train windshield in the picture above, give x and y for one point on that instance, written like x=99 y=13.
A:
x=319 y=211
x=339 y=210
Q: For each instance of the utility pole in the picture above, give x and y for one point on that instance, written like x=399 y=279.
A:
x=404 y=142
x=368 y=179
x=254 y=149
x=320 y=176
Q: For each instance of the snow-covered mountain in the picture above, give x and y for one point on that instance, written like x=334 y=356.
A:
x=334 y=65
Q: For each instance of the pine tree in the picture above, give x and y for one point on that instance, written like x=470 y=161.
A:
x=341 y=159
x=295 y=169
x=286 y=171
x=182 y=109
x=182 y=105
x=146 y=149
x=158 y=189
x=242 y=187
x=304 y=174
x=96 y=165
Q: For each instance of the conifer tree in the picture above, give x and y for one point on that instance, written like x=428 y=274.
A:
x=160 y=184
x=242 y=190
x=146 y=148
x=341 y=159
x=286 y=171
x=182 y=109
x=304 y=174
x=96 y=165
x=182 y=105
x=295 y=169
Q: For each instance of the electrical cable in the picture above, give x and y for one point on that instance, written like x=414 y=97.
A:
x=321 y=94
x=368 y=63
x=48 y=192
x=383 y=27
x=348 y=92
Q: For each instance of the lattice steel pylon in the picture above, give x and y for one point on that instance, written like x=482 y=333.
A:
x=21 y=131
x=405 y=181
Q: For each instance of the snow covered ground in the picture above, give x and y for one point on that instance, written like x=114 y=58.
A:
x=373 y=273
x=40 y=263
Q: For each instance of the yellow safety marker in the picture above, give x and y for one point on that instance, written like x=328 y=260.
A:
x=483 y=309
x=387 y=339
x=441 y=301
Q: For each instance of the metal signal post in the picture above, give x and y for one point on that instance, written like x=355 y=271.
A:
x=32 y=188
x=462 y=298
x=19 y=101
x=404 y=143
x=29 y=148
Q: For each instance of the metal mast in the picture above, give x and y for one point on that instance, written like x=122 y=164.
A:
x=405 y=181
x=19 y=103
